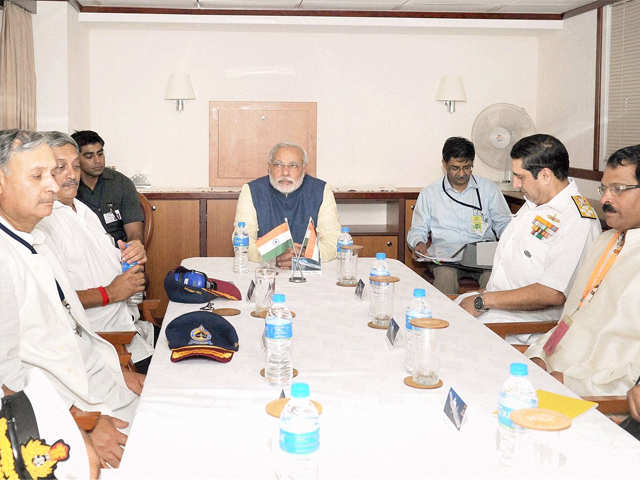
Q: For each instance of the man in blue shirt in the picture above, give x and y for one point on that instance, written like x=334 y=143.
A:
x=459 y=208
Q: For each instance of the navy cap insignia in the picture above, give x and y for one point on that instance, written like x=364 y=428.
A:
x=200 y=336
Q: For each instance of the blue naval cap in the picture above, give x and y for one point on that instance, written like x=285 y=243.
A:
x=201 y=334
x=191 y=286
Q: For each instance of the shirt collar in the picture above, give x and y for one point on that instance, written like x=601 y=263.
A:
x=472 y=184
x=559 y=202
x=27 y=237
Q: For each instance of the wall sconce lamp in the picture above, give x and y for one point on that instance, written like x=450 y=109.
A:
x=450 y=91
x=179 y=89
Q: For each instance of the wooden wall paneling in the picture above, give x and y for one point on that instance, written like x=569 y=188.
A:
x=220 y=217
x=241 y=134
x=176 y=236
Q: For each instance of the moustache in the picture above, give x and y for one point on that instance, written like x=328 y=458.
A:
x=608 y=208
x=70 y=183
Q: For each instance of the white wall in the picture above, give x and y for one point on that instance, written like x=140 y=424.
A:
x=566 y=86
x=51 y=48
x=378 y=122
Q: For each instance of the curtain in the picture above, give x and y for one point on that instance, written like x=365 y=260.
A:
x=17 y=70
x=624 y=77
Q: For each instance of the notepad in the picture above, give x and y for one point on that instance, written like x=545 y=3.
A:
x=571 y=407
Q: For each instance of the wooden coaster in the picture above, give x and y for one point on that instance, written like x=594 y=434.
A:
x=409 y=382
x=378 y=327
x=295 y=372
x=429 y=323
x=341 y=284
x=275 y=407
x=541 y=419
x=384 y=279
x=227 y=312
x=263 y=314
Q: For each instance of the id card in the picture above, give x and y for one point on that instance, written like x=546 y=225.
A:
x=109 y=217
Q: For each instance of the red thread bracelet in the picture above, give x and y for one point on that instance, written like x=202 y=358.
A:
x=105 y=297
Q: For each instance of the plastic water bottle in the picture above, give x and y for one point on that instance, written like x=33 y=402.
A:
x=299 y=436
x=137 y=297
x=344 y=239
x=278 y=333
x=241 y=249
x=418 y=308
x=517 y=392
x=380 y=267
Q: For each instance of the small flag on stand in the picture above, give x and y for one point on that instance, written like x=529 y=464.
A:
x=310 y=242
x=275 y=242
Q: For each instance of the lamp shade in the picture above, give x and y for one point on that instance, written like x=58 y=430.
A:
x=179 y=87
x=451 y=88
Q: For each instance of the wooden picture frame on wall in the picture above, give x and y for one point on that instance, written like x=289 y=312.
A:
x=242 y=133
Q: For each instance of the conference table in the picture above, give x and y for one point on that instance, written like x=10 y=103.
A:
x=200 y=419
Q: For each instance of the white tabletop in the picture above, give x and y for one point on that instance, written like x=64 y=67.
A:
x=203 y=419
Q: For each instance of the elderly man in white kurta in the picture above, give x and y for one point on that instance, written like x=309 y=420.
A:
x=85 y=250
x=595 y=349
x=43 y=324
x=540 y=250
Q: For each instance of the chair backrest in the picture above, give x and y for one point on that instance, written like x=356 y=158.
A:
x=148 y=220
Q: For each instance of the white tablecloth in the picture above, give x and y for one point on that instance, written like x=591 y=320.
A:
x=199 y=419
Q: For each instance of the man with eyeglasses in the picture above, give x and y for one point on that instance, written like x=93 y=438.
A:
x=458 y=209
x=595 y=349
x=288 y=192
x=110 y=194
x=539 y=252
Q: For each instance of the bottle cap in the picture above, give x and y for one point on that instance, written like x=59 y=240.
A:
x=518 y=369
x=344 y=229
x=381 y=256
x=242 y=224
x=419 y=292
x=278 y=298
x=300 y=390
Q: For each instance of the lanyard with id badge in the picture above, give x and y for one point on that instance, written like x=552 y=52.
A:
x=479 y=224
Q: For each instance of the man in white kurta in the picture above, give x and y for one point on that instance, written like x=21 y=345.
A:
x=600 y=352
x=540 y=250
x=37 y=328
x=75 y=235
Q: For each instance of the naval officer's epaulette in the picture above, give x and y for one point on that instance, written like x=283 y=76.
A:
x=584 y=207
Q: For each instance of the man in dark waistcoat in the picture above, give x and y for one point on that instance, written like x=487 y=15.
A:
x=288 y=192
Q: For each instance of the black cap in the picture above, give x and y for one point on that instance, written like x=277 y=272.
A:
x=201 y=334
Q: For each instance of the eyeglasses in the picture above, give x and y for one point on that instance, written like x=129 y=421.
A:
x=288 y=166
x=615 y=189
x=456 y=169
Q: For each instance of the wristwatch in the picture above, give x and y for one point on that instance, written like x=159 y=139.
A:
x=478 y=304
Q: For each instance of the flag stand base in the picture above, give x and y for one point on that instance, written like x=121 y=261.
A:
x=296 y=279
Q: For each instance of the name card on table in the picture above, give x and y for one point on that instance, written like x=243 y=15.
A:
x=359 y=289
x=252 y=287
x=455 y=408
x=392 y=333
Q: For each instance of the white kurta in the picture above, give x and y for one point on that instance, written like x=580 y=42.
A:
x=523 y=259
x=89 y=257
x=37 y=331
x=600 y=353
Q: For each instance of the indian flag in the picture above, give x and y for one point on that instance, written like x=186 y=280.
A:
x=275 y=242
x=310 y=242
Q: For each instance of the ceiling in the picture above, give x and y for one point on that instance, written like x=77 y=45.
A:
x=467 y=6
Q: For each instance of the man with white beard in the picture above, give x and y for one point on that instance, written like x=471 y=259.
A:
x=288 y=192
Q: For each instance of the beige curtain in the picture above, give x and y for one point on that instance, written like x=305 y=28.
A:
x=17 y=70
